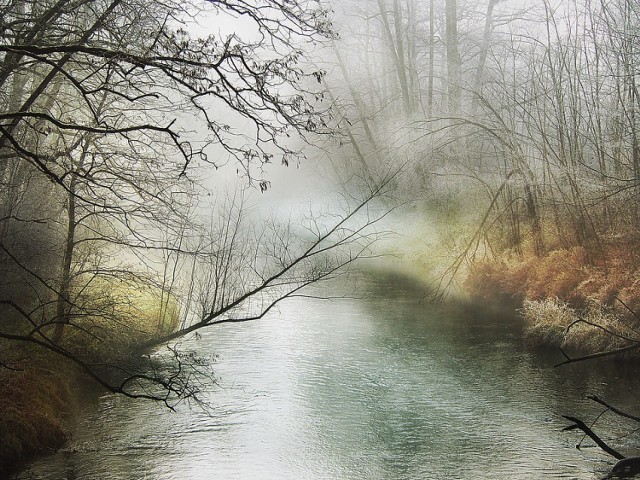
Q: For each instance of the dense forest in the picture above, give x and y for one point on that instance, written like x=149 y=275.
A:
x=134 y=137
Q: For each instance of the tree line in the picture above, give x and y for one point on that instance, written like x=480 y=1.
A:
x=532 y=104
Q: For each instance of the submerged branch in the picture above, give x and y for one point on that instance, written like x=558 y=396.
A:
x=579 y=424
x=591 y=356
x=613 y=409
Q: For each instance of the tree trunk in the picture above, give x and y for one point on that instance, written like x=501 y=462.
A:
x=396 y=49
x=63 y=302
x=431 y=61
x=484 y=51
x=454 y=66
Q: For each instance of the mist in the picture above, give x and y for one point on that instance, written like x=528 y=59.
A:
x=174 y=171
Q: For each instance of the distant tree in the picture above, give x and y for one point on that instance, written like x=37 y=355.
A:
x=454 y=62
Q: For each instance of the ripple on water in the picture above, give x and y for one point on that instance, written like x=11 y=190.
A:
x=381 y=388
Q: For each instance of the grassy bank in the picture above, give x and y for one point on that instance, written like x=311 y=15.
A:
x=35 y=398
x=583 y=301
x=40 y=390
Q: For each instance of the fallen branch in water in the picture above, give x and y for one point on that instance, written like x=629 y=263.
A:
x=591 y=356
x=579 y=424
x=613 y=409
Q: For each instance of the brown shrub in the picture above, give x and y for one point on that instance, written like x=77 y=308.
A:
x=31 y=402
x=564 y=285
x=482 y=281
x=557 y=274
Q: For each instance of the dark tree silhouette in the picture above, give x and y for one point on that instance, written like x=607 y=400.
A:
x=109 y=109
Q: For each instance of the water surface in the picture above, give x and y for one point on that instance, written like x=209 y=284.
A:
x=380 y=387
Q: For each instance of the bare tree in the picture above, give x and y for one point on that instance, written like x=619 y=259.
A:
x=150 y=64
x=454 y=62
x=242 y=274
x=113 y=107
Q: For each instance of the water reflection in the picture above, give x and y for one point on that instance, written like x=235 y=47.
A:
x=383 y=387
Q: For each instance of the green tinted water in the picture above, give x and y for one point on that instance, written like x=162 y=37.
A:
x=381 y=387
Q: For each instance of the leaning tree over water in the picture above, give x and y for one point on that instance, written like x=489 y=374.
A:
x=110 y=110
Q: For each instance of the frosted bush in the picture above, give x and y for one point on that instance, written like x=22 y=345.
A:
x=547 y=320
x=546 y=312
x=553 y=322
x=608 y=331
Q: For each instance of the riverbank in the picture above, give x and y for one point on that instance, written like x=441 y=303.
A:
x=40 y=390
x=40 y=396
x=574 y=299
x=36 y=397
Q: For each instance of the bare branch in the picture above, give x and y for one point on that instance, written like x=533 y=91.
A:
x=579 y=424
x=613 y=409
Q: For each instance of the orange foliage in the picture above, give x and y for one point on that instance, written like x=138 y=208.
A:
x=566 y=284
x=556 y=275
x=484 y=281
x=571 y=275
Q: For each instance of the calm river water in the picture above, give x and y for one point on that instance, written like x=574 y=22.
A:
x=380 y=387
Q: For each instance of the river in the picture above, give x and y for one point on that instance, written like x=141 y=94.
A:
x=380 y=386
